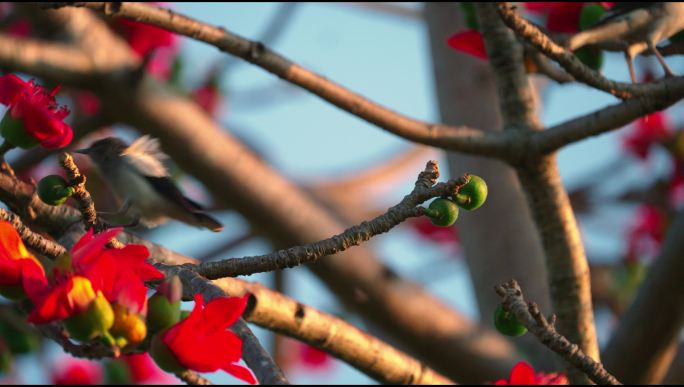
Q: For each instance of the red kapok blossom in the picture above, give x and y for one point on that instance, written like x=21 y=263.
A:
x=469 y=42
x=647 y=131
x=42 y=117
x=77 y=371
x=19 y=270
x=118 y=274
x=443 y=235
x=145 y=40
x=523 y=374
x=646 y=232
x=202 y=343
x=313 y=358
x=208 y=97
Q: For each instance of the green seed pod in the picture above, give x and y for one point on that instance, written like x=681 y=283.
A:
x=507 y=324
x=53 y=190
x=161 y=313
x=472 y=195
x=442 y=212
x=13 y=131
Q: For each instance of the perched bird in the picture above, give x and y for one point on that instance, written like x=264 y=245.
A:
x=138 y=176
x=634 y=28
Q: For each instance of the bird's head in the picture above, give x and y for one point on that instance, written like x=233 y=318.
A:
x=105 y=151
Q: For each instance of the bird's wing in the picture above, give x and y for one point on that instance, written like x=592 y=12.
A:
x=146 y=156
x=168 y=189
x=623 y=8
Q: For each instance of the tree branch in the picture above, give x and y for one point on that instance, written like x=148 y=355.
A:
x=35 y=241
x=425 y=189
x=566 y=262
x=606 y=119
x=569 y=61
x=462 y=139
x=366 y=353
x=530 y=316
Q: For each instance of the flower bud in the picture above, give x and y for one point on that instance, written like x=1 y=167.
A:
x=54 y=190
x=163 y=356
x=127 y=325
x=117 y=372
x=92 y=323
x=12 y=129
x=442 y=212
x=163 y=308
x=472 y=195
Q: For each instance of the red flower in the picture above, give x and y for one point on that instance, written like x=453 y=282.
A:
x=208 y=97
x=42 y=118
x=648 y=130
x=118 y=274
x=201 y=342
x=443 y=235
x=144 y=370
x=77 y=371
x=146 y=39
x=469 y=42
x=19 y=270
x=523 y=374
x=314 y=358
x=646 y=233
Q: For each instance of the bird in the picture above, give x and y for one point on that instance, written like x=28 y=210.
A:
x=634 y=28
x=138 y=176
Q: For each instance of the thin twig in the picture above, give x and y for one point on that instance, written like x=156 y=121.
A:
x=459 y=138
x=425 y=188
x=36 y=241
x=85 y=202
x=530 y=316
x=192 y=378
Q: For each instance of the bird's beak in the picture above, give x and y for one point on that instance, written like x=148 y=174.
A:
x=83 y=151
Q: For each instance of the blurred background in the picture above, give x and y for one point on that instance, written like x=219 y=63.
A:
x=623 y=185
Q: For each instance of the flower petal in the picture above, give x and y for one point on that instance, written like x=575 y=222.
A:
x=469 y=42
x=11 y=86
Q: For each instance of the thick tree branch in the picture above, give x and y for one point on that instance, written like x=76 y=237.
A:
x=569 y=61
x=366 y=353
x=462 y=139
x=192 y=378
x=566 y=262
x=606 y=119
x=530 y=316
x=516 y=96
x=646 y=339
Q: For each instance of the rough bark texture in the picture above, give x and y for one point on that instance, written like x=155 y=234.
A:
x=500 y=241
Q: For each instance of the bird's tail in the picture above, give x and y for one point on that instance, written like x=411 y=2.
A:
x=207 y=221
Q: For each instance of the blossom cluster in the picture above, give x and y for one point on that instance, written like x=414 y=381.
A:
x=99 y=294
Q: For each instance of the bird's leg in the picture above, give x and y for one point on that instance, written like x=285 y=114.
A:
x=630 y=64
x=654 y=50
